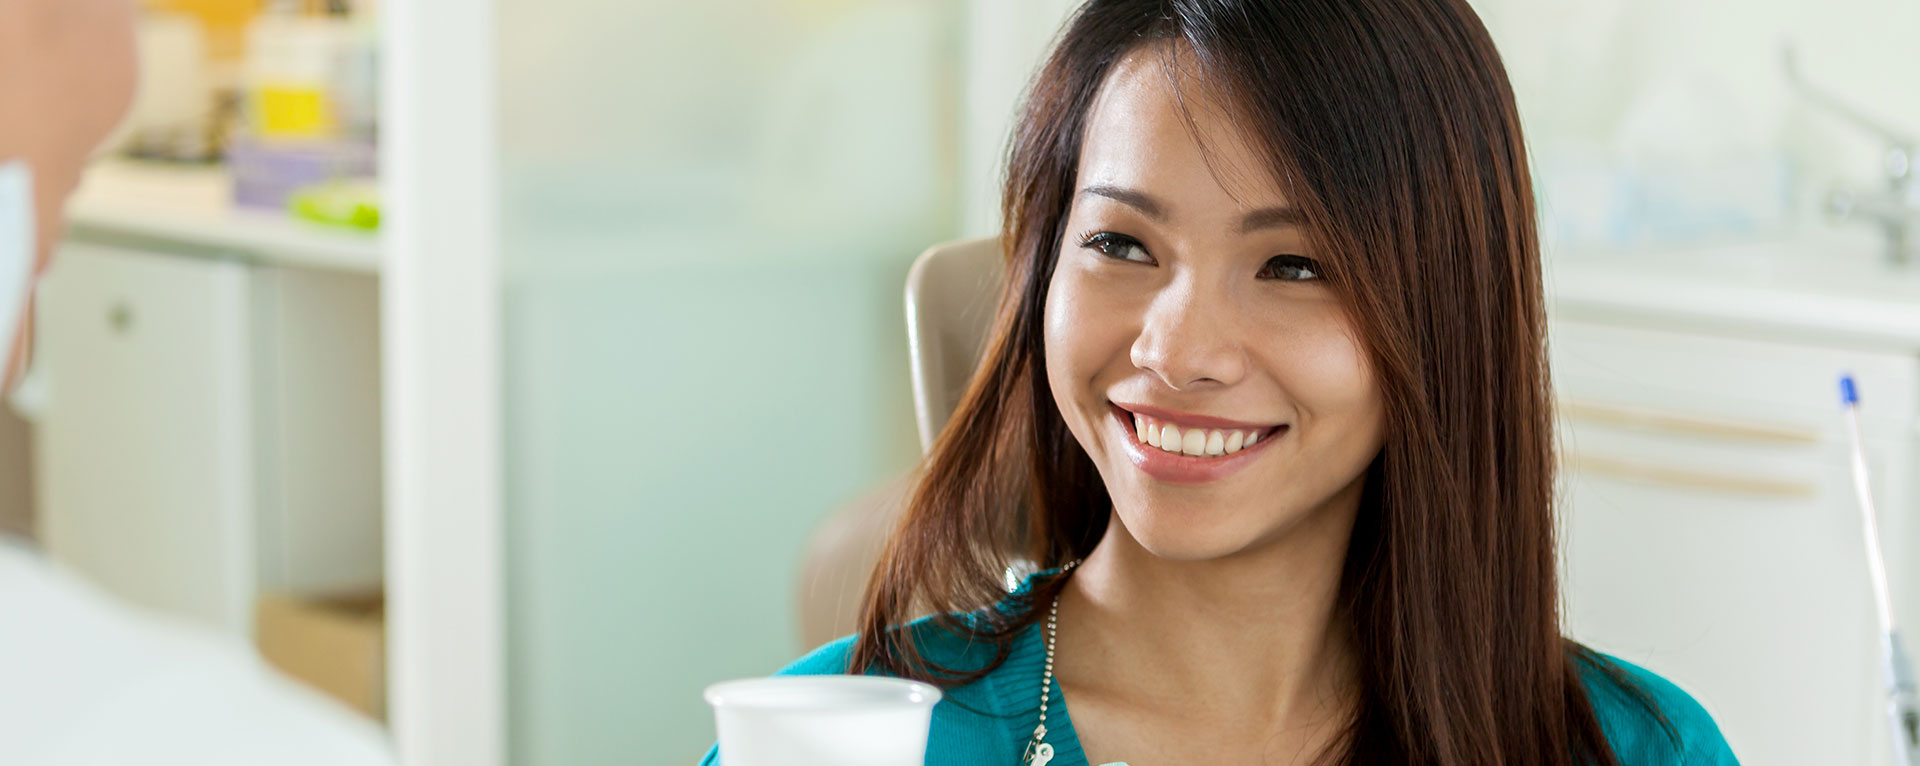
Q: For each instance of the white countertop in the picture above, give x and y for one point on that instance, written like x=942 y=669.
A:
x=193 y=207
x=1829 y=288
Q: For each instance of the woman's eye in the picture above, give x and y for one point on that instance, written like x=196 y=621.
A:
x=1119 y=247
x=1290 y=268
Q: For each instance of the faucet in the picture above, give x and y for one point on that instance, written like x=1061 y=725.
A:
x=1894 y=208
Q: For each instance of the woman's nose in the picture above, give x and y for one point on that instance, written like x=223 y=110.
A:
x=1189 y=340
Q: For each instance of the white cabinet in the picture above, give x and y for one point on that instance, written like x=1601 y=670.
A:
x=211 y=428
x=317 y=404
x=144 y=447
x=1711 y=532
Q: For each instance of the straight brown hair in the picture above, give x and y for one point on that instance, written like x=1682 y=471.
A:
x=1392 y=126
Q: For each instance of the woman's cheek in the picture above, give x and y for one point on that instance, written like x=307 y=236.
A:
x=1069 y=320
x=1336 y=378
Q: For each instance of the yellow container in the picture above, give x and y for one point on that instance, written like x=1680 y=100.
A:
x=292 y=67
x=292 y=110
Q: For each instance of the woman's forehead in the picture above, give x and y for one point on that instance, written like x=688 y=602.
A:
x=1158 y=127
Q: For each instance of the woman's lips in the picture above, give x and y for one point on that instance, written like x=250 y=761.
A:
x=1184 y=419
x=1189 y=469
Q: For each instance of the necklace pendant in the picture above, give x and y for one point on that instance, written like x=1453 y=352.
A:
x=1042 y=754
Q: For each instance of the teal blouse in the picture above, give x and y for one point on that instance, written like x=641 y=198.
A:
x=988 y=722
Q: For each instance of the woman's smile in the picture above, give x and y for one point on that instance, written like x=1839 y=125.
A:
x=1186 y=449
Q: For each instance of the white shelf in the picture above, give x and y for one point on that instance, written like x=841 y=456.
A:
x=193 y=207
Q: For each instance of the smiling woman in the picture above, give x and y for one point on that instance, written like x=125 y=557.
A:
x=1267 y=401
x=1195 y=302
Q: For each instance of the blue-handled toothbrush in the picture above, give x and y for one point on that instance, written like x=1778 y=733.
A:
x=1902 y=712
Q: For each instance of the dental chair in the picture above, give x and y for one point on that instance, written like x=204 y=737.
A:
x=951 y=294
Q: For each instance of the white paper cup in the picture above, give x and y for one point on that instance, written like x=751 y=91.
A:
x=822 y=721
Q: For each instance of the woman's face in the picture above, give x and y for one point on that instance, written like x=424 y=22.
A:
x=1186 y=320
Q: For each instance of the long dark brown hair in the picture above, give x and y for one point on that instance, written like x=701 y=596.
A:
x=1392 y=127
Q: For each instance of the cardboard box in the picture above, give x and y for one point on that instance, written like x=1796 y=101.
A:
x=337 y=645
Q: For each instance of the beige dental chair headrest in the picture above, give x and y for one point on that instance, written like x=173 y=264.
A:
x=951 y=295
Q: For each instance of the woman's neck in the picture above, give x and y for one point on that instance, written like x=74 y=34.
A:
x=1258 y=636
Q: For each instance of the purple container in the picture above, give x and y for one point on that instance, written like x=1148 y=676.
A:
x=265 y=174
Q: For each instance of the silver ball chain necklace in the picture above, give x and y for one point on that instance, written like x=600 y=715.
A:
x=1039 y=752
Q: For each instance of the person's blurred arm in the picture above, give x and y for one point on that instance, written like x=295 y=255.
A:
x=66 y=78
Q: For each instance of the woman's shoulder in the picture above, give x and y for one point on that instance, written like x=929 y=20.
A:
x=941 y=642
x=1621 y=693
x=829 y=658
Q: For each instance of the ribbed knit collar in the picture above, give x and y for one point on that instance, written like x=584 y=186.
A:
x=1014 y=689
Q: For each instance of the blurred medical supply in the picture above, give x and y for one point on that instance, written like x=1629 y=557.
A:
x=1903 y=712
x=354 y=203
x=307 y=77
x=175 y=111
x=283 y=95
x=268 y=174
x=311 y=106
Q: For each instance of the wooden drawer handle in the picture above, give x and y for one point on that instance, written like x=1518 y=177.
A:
x=1684 y=424
x=1686 y=478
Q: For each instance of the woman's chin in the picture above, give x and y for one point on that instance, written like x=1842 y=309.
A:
x=1181 y=539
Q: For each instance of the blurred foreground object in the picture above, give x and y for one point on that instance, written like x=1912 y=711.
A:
x=91 y=681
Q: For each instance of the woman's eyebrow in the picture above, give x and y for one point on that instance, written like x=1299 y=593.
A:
x=1264 y=218
x=1133 y=198
x=1271 y=218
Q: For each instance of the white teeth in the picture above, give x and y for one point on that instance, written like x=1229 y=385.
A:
x=1194 y=442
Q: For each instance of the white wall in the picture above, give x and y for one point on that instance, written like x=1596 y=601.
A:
x=1692 y=91
x=709 y=210
x=1597 y=84
x=1005 y=41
